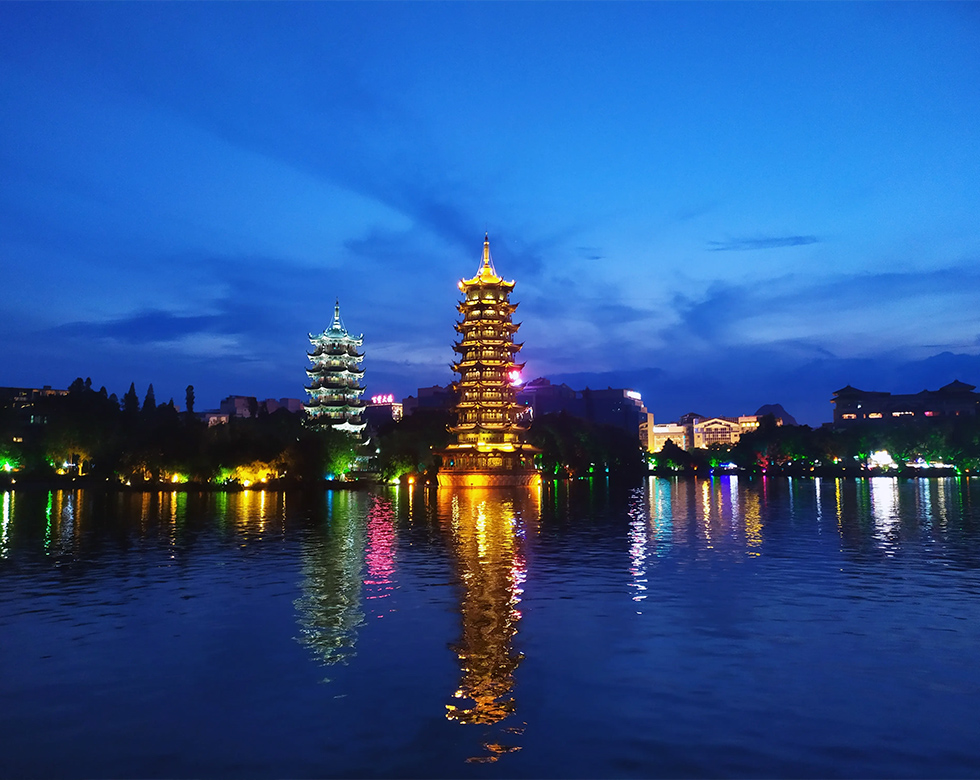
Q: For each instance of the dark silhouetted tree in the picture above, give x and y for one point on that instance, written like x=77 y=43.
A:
x=131 y=401
x=150 y=401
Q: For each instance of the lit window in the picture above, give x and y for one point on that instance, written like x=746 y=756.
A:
x=875 y=416
x=849 y=416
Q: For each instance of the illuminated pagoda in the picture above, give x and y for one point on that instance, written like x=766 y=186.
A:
x=489 y=448
x=335 y=379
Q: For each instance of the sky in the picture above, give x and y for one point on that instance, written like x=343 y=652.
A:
x=719 y=205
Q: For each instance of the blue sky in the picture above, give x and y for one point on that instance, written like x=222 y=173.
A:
x=719 y=205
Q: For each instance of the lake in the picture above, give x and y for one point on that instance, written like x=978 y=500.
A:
x=727 y=627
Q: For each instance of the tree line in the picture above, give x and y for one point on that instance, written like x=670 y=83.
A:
x=94 y=434
x=91 y=433
x=799 y=449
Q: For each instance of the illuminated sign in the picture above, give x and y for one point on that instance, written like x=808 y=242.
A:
x=634 y=395
x=382 y=399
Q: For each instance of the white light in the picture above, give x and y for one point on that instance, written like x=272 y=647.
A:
x=881 y=459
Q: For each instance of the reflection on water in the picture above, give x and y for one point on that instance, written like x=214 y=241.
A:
x=330 y=608
x=380 y=555
x=884 y=508
x=813 y=618
x=488 y=530
x=638 y=539
x=5 y=531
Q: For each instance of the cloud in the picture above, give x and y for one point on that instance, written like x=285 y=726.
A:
x=764 y=242
x=141 y=328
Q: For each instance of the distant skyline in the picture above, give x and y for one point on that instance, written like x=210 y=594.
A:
x=718 y=205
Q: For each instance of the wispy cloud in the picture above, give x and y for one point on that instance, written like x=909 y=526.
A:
x=760 y=242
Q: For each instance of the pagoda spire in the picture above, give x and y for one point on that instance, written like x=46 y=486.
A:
x=338 y=324
x=487 y=272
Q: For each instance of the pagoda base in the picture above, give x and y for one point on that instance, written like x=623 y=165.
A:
x=464 y=478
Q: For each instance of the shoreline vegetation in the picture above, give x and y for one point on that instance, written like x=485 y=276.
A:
x=90 y=438
x=10 y=482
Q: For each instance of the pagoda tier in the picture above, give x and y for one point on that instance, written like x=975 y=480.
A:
x=335 y=379
x=489 y=447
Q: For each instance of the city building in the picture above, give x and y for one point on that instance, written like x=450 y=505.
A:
x=23 y=413
x=694 y=431
x=620 y=407
x=665 y=432
x=490 y=449
x=22 y=402
x=237 y=406
x=335 y=379
x=435 y=397
x=853 y=406
x=381 y=410
x=214 y=417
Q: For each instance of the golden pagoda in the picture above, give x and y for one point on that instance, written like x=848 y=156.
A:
x=489 y=448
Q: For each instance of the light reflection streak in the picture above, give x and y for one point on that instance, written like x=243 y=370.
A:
x=5 y=532
x=487 y=529
x=941 y=500
x=924 y=491
x=48 y=530
x=753 y=523
x=884 y=510
x=380 y=553
x=67 y=519
x=704 y=515
x=733 y=501
x=638 y=546
x=840 y=509
x=661 y=515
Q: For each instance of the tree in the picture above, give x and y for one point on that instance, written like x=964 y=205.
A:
x=150 y=401
x=408 y=446
x=131 y=401
x=189 y=399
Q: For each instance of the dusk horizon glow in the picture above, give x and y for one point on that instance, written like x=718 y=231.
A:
x=719 y=206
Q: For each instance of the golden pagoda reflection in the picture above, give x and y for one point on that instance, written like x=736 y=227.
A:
x=488 y=529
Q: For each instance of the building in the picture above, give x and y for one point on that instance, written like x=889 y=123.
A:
x=669 y=432
x=237 y=406
x=214 y=417
x=490 y=449
x=694 y=431
x=22 y=401
x=435 y=397
x=23 y=410
x=619 y=407
x=291 y=405
x=853 y=406
x=381 y=410
x=335 y=379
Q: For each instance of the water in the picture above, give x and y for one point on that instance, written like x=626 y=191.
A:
x=723 y=628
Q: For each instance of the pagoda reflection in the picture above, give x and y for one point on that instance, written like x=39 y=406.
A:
x=330 y=611
x=487 y=528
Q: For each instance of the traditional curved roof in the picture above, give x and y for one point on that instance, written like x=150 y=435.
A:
x=487 y=275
